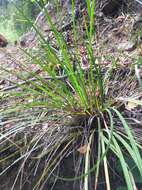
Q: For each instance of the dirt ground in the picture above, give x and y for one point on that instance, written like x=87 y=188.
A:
x=113 y=42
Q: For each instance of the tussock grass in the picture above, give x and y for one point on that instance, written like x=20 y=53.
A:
x=78 y=109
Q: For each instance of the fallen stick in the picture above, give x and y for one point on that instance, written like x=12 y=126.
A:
x=32 y=80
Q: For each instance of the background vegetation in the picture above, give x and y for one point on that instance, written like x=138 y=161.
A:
x=12 y=24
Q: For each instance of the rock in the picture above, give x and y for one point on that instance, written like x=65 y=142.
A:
x=27 y=38
x=3 y=41
x=127 y=46
x=110 y=7
x=22 y=43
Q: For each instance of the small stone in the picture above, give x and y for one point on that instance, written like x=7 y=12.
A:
x=127 y=46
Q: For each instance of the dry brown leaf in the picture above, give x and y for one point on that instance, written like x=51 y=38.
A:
x=130 y=106
x=82 y=149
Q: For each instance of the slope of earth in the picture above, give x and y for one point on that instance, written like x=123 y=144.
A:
x=116 y=42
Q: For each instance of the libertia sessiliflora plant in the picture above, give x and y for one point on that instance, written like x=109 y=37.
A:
x=70 y=102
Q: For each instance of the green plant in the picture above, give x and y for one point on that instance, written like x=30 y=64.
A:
x=73 y=101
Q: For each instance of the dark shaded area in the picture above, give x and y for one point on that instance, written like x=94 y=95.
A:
x=3 y=41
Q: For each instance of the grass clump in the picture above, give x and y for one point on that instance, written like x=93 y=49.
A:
x=76 y=110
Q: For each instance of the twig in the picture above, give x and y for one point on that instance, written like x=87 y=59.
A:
x=139 y=1
x=32 y=80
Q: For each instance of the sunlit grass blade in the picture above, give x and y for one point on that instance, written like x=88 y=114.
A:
x=131 y=139
x=87 y=162
x=123 y=165
x=128 y=148
x=107 y=179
